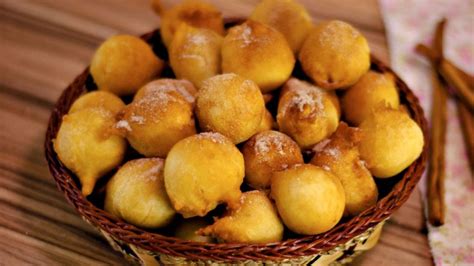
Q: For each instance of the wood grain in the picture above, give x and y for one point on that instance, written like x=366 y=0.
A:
x=44 y=44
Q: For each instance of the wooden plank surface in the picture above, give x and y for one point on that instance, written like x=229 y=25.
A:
x=44 y=44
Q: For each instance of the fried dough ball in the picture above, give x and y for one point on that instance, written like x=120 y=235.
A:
x=124 y=63
x=187 y=230
x=85 y=145
x=195 y=54
x=202 y=171
x=94 y=99
x=196 y=13
x=136 y=194
x=182 y=86
x=267 y=152
x=340 y=156
x=257 y=52
x=153 y=123
x=309 y=199
x=391 y=141
x=230 y=105
x=286 y=16
x=267 y=122
x=307 y=113
x=253 y=220
x=335 y=55
x=372 y=89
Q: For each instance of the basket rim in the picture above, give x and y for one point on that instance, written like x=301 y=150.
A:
x=227 y=252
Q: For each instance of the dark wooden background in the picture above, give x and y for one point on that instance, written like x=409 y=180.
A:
x=44 y=44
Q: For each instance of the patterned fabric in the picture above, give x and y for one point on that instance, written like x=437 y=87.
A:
x=407 y=23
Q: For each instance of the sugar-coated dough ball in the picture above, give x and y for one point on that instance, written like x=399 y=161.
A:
x=286 y=16
x=187 y=230
x=85 y=145
x=335 y=55
x=309 y=199
x=253 y=220
x=196 y=13
x=307 y=113
x=257 y=52
x=391 y=141
x=136 y=194
x=340 y=156
x=368 y=93
x=153 y=123
x=202 y=171
x=267 y=152
x=230 y=105
x=124 y=63
x=182 y=86
x=95 y=99
x=195 y=54
x=267 y=122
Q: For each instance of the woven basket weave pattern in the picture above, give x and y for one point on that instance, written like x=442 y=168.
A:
x=290 y=249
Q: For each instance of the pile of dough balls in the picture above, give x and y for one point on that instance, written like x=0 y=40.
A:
x=234 y=126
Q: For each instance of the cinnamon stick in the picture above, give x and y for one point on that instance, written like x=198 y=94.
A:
x=438 y=46
x=460 y=86
x=436 y=171
x=461 y=82
x=469 y=79
x=467 y=125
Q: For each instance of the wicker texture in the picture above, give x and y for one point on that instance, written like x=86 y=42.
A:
x=157 y=244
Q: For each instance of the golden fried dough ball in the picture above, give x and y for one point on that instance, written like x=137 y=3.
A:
x=371 y=90
x=307 y=113
x=85 y=145
x=309 y=199
x=182 y=86
x=257 y=52
x=202 y=171
x=124 y=63
x=95 y=99
x=340 y=156
x=196 y=13
x=195 y=54
x=267 y=122
x=253 y=220
x=136 y=194
x=267 y=152
x=335 y=55
x=286 y=16
x=391 y=141
x=156 y=121
x=230 y=105
x=187 y=230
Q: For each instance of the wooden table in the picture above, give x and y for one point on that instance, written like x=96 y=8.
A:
x=44 y=44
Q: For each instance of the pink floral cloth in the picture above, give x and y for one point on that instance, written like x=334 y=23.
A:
x=408 y=22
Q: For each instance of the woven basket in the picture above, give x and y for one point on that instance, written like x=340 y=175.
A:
x=348 y=239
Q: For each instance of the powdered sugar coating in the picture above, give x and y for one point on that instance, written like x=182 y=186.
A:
x=332 y=35
x=264 y=143
x=183 y=87
x=197 y=39
x=123 y=124
x=246 y=35
x=153 y=171
x=137 y=119
x=306 y=98
x=333 y=151
x=213 y=136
